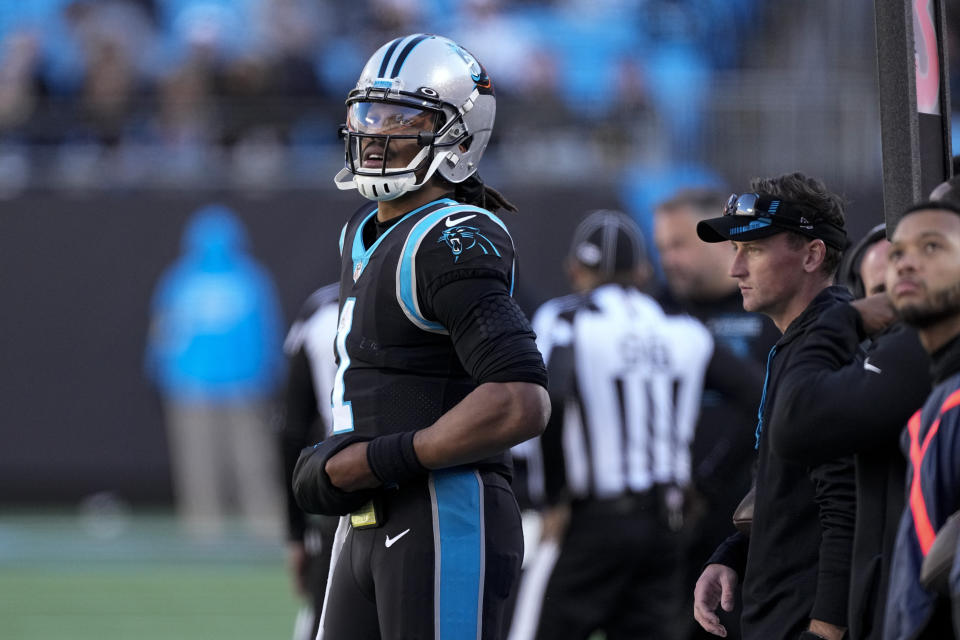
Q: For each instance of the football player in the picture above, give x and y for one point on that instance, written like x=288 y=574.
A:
x=438 y=371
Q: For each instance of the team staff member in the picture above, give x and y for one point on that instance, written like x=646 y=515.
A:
x=720 y=455
x=625 y=383
x=307 y=419
x=438 y=373
x=866 y=399
x=923 y=282
x=788 y=238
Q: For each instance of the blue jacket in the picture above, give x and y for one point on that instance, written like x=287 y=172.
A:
x=931 y=443
x=216 y=323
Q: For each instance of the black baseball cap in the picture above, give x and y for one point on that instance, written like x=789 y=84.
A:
x=752 y=216
x=608 y=241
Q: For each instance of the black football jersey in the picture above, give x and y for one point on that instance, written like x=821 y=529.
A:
x=397 y=367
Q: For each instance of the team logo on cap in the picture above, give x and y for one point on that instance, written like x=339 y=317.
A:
x=753 y=226
x=589 y=254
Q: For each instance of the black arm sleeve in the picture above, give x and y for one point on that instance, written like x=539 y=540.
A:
x=732 y=553
x=299 y=416
x=562 y=382
x=835 y=495
x=829 y=405
x=490 y=333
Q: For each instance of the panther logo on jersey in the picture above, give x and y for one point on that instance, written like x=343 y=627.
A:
x=462 y=239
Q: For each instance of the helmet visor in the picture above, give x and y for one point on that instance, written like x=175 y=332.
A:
x=386 y=118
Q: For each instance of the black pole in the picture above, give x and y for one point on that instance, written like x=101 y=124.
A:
x=914 y=121
x=899 y=125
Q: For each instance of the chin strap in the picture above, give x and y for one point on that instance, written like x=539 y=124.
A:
x=382 y=188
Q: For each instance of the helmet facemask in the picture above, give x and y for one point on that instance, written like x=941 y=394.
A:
x=379 y=136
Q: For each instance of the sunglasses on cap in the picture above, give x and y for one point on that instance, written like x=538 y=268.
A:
x=753 y=204
x=752 y=216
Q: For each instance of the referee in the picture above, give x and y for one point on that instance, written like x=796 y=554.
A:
x=625 y=385
x=306 y=419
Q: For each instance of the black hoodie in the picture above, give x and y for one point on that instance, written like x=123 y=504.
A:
x=796 y=563
x=874 y=394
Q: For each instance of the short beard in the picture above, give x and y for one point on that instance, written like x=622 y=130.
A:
x=944 y=304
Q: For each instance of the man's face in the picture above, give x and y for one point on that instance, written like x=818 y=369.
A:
x=873 y=267
x=923 y=267
x=694 y=269
x=385 y=119
x=769 y=272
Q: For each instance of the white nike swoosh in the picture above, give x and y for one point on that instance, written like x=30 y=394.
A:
x=452 y=223
x=389 y=541
x=870 y=367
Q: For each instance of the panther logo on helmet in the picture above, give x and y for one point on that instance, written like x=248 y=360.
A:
x=477 y=72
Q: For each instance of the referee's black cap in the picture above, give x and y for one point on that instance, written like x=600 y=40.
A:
x=609 y=242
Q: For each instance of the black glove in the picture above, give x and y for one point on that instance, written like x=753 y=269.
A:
x=312 y=487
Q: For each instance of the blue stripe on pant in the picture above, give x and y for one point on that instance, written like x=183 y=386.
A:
x=458 y=524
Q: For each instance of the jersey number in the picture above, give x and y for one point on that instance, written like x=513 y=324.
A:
x=342 y=411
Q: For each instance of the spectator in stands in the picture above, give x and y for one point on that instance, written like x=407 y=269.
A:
x=19 y=80
x=115 y=39
x=109 y=90
x=215 y=354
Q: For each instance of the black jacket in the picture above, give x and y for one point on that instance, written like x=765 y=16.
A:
x=874 y=394
x=796 y=563
x=721 y=454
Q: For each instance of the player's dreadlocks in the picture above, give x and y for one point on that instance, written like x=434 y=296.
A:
x=474 y=191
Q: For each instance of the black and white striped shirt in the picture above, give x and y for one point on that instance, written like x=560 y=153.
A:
x=625 y=383
x=314 y=332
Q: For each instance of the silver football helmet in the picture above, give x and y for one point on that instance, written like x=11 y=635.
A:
x=420 y=95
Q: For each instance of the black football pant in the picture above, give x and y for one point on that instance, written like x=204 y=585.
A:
x=617 y=571
x=442 y=567
x=318 y=542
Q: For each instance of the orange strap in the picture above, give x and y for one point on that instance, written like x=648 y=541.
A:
x=918 y=506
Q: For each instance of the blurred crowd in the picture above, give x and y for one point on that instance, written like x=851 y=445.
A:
x=179 y=81
x=111 y=71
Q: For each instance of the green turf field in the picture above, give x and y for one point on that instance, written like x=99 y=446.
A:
x=60 y=578
x=134 y=576
x=147 y=603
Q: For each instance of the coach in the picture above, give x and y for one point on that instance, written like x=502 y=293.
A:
x=788 y=238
